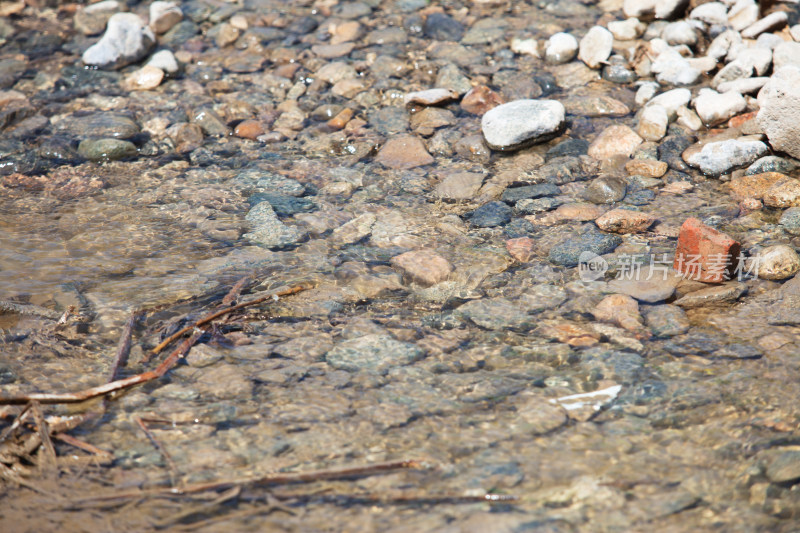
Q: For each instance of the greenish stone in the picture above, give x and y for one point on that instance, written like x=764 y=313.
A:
x=106 y=149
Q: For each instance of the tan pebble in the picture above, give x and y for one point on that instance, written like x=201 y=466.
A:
x=521 y=248
x=480 y=99
x=423 y=266
x=755 y=185
x=144 y=79
x=784 y=193
x=249 y=129
x=239 y=22
x=619 y=309
x=625 y=221
x=614 y=140
x=404 y=151
x=646 y=167
x=341 y=119
x=581 y=212
x=775 y=262
x=678 y=187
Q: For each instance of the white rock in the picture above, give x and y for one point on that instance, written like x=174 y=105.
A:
x=431 y=97
x=773 y=21
x=520 y=123
x=711 y=13
x=741 y=17
x=164 y=15
x=660 y=9
x=794 y=31
x=653 y=122
x=672 y=100
x=704 y=64
x=126 y=40
x=730 y=72
x=626 y=30
x=713 y=107
x=743 y=86
x=561 y=48
x=768 y=41
x=165 y=60
x=786 y=54
x=759 y=59
x=722 y=43
x=680 y=32
x=775 y=262
x=720 y=157
x=143 y=79
x=645 y=92
x=688 y=118
x=779 y=114
x=595 y=47
x=525 y=46
x=672 y=68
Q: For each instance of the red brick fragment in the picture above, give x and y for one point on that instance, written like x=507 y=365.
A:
x=705 y=254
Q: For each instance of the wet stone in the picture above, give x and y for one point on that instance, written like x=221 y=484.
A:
x=782 y=465
x=377 y=354
x=460 y=186
x=403 y=152
x=790 y=220
x=496 y=314
x=491 y=215
x=270 y=232
x=568 y=253
x=539 y=205
x=443 y=27
x=723 y=294
x=424 y=267
x=111 y=125
x=107 y=149
x=666 y=320
x=92 y=19
x=771 y=163
x=283 y=205
x=605 y=190
x=515 y=194
x=717 y=158
x=570 y=147
x=776 y=262
x=614 y=140
x=481 y=99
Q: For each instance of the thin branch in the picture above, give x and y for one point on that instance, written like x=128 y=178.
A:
x=235 y=292
x=270 y=479
x=123 y=347
x=100 y=390
x=213 y=316
x=48 y=451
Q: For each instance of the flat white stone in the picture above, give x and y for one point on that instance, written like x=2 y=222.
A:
x=520 y=123
x=626 y=30
x=720 y=157
x=165 y=60
x=773 y=21
x=672 y=100
x=711 y=13
x=721 y=44
x=743 y=86
x=680 y=32
x=786 y=54
x=595 y=47
x=672 y=68
x=713 y=107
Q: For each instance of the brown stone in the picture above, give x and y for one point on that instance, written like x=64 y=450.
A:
x=784 y=193
x=431 y=97
x=625 y=221
x=615 y=140
x=249 y=129
x=143 y=79
x=480 y=99
x=739 y=120
x=423 y=266
x=619 y=309
x=404 y=151
x=332 y=51
x=579 y=211
x=521 y=248
x=705 y=254
x=572 y=334
x=646 y=167
x=755 y=185
x=341 y=119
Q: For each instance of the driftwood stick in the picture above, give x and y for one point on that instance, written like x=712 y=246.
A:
x=269 y=479
x=83 y=445
x=213 y=316
x=235 y=292
x=7 y=432
x=100 y=390
x=123 y=347
x=47 y=451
